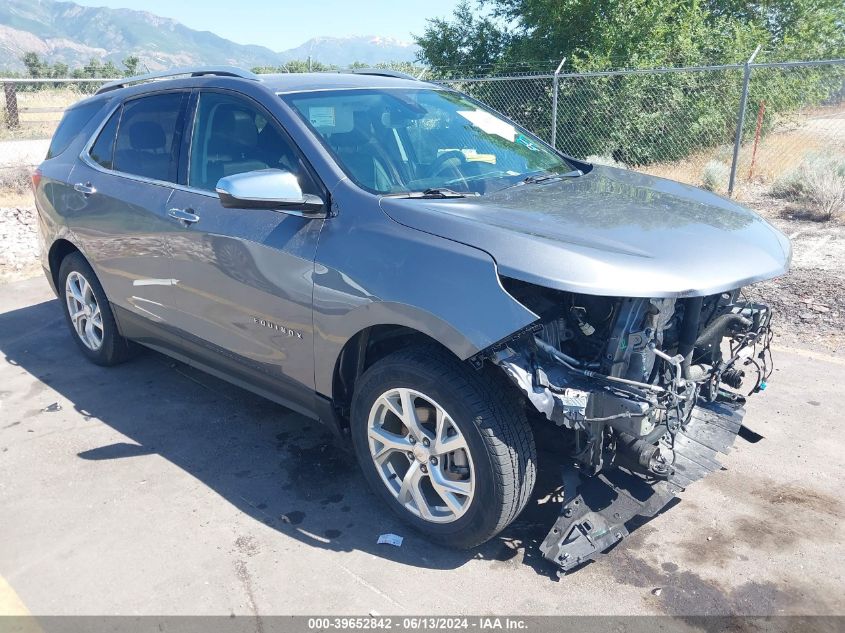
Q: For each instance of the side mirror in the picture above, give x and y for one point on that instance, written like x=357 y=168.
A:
x=268 y=189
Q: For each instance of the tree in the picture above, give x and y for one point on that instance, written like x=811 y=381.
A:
x=296 y=66
x=95 y=69
x=469 y=44
x=60 y=70
x=633 y=33
x=35 y=66
x=634 y=117
x=130 y=65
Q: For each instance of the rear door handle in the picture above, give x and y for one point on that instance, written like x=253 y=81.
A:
x=85 y=188
x=186 y=216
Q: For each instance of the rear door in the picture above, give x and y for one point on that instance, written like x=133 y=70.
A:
x=122 y=185
x=244 y=290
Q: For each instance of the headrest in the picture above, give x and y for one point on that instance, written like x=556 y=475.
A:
x=233 y=123
x=147 y=135
x=348 y=141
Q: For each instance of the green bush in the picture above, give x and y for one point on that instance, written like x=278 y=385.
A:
x=715 y=176
x=819 y=180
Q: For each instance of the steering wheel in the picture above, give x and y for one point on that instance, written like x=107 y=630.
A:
x=443 y=161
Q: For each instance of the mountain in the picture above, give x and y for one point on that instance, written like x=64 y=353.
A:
x=69 y=33
x=342 y=51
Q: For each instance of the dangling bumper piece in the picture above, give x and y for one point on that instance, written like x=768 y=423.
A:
x=601 y=510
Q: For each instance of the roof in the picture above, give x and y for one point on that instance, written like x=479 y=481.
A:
x=302 y=82
x=284 y=82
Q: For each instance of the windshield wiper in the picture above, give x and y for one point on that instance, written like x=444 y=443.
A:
x=435 y=192
x=531 y=180
x=535 y=179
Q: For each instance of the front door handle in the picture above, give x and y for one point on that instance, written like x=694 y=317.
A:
x=85 y=188
x=186 y=216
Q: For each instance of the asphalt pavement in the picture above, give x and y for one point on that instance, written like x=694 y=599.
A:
x=152 y=488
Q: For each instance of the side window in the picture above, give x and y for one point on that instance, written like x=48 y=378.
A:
x=102 y=152
x=231 y=136
x=148 y=138
x=71 y=125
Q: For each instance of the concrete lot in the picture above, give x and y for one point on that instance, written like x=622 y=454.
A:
x=152 y=488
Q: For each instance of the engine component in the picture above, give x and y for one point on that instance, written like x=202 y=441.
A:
x=641 y=455
x=689 y=332
x=733 y=377
x=579 y=314
x=709 y=341
x=643 y=386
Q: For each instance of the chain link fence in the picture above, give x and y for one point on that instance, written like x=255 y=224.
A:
x=683 y=123
x=32 y=108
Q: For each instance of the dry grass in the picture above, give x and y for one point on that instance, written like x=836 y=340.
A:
x=691 y=168
x=15 y=186
x=779 y=152
x=15 y=199
x=819 y=183
x=15 y=179
x=38 y=124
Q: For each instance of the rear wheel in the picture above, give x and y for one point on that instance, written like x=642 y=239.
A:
x=88 y=313
x=447 y=448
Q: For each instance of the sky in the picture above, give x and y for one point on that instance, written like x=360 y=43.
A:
x=283 y=24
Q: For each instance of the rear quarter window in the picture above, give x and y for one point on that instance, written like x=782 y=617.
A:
x=71 y=125
x=102 y=152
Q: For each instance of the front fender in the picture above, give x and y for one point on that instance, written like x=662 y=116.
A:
x=372 y=271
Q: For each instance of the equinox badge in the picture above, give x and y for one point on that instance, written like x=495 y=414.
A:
x=277 y=327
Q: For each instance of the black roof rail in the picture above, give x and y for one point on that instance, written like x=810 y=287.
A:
x=196 y=71
x=381 y=72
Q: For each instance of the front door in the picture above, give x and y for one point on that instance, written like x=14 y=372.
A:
x=244 y=276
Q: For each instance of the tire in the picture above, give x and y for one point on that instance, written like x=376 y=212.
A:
x=113 y=348
x=486 y=416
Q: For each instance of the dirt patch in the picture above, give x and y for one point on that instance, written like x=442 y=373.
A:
x=678 y=592
x=779 y=516
x=247 y=545
x=798 y=496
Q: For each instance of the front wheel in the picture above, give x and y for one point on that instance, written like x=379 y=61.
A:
x=447 y=447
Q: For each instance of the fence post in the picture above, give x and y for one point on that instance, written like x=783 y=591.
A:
x=554 y=102
x=12 y=120
x=743 y=101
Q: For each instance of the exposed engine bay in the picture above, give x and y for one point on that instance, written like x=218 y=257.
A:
x=651 y=390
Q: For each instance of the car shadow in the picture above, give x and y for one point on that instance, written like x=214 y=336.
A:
x=274 y=465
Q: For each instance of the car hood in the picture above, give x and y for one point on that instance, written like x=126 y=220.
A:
x=609 y=232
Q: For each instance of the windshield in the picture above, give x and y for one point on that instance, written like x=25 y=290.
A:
x=414 y=140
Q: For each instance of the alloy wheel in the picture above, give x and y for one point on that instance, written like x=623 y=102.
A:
x=421 y=455
x=84 y=311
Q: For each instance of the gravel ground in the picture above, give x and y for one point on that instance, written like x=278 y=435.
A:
x=18 y=244
x=809 y=301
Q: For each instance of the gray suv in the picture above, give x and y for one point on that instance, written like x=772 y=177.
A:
x=432 y=281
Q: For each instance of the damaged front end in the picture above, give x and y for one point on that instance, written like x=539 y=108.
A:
x=649 y=390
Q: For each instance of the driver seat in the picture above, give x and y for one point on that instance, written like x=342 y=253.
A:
x=361 y=157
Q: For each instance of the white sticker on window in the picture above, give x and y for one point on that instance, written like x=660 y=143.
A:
x=489 y=123
x=321 y=116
